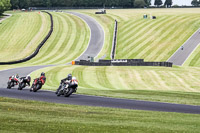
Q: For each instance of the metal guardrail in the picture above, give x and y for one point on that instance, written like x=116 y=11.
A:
x=114 y=43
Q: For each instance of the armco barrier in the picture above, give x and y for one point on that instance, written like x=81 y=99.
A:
x=114 y=40
x=37 y=49
x=123 y=62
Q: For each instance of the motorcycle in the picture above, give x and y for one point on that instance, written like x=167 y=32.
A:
x=66 y=89
x=37 y=84
x=12 y=82
x=23 y=83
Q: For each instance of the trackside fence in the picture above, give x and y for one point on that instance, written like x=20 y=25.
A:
x=114 y=40
x=37 y=49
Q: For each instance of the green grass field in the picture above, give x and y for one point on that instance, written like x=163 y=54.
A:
x=31 y=116
x=194 y=59
x=68 y=41
x=130 y=82
x=21 y=34
x=153 y=40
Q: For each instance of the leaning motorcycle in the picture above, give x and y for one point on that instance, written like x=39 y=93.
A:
x=66 y=89
x=37 y=84
x=11 y=83
x=23 y=83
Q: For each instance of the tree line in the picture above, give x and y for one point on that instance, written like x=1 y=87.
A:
x=195 y=2
x=19 y=4
x=4 y=5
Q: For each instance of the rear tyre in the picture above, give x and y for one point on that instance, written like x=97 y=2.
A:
x=34 y=88
x=69 y=92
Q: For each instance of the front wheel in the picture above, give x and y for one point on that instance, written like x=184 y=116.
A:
x=9 y=85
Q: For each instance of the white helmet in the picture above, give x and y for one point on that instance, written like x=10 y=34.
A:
x=73 y=78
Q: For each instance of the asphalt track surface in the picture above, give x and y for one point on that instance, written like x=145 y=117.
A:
x=74 y=99
x=181 y=55
x=96 y=39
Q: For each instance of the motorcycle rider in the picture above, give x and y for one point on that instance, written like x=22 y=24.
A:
x=15 y=79
x=42 y=80
x=28 y=79
x=68 y=79
x=74 y=83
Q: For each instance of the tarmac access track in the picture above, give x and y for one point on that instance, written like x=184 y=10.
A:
x=181 y=55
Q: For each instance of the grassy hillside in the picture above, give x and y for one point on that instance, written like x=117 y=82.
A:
x=107 y=22
x=21 y=34
x=129 y=82
x=29 y=116
x=69 y=40
x=152 y=40
x=194 y=59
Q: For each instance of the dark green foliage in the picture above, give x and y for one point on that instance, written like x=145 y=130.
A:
x=195 y=2
x=148 y=2
x=79 y=3
x=139 y=3
x=168 y=3
x=4 y=5
x=158 y=3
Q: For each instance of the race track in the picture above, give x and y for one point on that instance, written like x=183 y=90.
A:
x=181 y=55
x=74 y=99
x=96 y=38
x=92 y=50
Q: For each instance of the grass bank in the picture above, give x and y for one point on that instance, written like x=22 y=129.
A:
x=31 y=116
x=21 y=34
x=176 y=85
x=152 y=40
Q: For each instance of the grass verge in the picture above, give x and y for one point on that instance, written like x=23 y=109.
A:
x=173 y=85
x=31 y=116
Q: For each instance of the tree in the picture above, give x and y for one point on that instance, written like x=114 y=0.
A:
x=168 y=3
x=195 y=3
x=158 y=3
x=4 y=5
x=139 y=4
x=148 y=2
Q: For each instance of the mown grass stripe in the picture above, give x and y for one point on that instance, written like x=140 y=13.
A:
x=134 y=46
x=141 y=49
x=61 y=43
x=54 y=39
x=162 y=42
x=137 y=33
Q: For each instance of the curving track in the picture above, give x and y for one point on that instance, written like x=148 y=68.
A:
x=181 y=55
x=93 y=49
x=96 y=38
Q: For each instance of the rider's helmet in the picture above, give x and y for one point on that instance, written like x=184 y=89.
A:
x=69 y=76
x=17 y=76
x=73 y=78
x=42 y=74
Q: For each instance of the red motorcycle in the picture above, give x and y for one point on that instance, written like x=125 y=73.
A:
x=37 y=84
